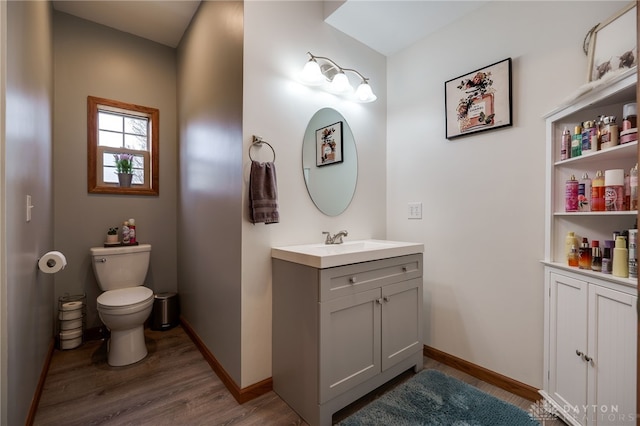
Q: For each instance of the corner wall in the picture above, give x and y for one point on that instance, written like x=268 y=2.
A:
x=210 y=71
x=483 y=195
x=27 y=169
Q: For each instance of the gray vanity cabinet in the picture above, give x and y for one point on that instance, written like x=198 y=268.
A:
x=341 y=332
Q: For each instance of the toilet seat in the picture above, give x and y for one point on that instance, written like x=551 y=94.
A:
x=131 y=297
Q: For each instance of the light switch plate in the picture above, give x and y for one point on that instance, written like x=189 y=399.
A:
x=415 y=210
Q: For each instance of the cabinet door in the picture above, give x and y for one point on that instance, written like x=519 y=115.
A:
x=349 y=342
x=612 y=349
x=568 y=340
x=401 y=321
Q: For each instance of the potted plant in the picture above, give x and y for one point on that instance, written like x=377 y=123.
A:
x=112 y=235
x=124 y=168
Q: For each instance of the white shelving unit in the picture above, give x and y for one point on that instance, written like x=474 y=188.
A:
x=590 y=318
x=605 y=100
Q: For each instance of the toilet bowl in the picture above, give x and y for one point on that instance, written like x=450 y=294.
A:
x=125 y=304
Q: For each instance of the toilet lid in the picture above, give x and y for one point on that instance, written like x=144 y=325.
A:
x=125 y=296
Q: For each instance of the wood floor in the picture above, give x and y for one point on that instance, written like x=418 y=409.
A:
x=174 y=385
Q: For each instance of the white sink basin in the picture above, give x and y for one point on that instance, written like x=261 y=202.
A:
x=330 y=255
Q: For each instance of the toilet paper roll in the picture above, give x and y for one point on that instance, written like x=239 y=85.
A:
x=71 y=306
x=70 y=324
x=52 y=262
x=71 y=334
x=71 y=343
x=69 y=315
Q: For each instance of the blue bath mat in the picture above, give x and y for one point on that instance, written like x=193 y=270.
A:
x=431 y=398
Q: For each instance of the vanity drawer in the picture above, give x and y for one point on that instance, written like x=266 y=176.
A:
x=350 y=279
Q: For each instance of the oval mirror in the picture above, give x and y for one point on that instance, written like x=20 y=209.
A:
x=329 y=161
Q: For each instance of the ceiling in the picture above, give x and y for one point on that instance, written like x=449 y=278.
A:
x=386 y=26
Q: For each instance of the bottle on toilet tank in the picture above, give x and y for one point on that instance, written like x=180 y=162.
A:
x=132 y=231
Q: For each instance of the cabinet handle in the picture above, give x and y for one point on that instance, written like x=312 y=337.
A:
x=352 y=280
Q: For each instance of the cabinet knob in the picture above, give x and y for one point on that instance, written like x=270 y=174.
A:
x=352 y=280
x=379 y=301
x=587 y=358
x=580 y=354
x=404 y=269
x=385 y=298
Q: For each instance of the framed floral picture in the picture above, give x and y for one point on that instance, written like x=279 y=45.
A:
x=329 y=144
x=478 y=101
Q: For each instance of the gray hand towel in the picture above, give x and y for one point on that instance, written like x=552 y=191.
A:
x=263 y=193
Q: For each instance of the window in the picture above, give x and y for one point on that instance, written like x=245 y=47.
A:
x=116 y=128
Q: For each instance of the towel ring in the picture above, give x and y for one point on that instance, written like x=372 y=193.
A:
x=257 y=141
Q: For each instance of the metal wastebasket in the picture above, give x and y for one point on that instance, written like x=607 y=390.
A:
x=166 y=311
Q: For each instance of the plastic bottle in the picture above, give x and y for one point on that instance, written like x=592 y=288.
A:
x=607 y=256
x=576 y=142
x=633 y=253
x=584 y=194
x=633 y=183
x=565 y=145
x=597 y=192
x=573 y=258
x=571 y=195
x=125 y=232
x=584 y=254
x=620 y=258
x=132 y=231
x=589 y=137
x=570 y=241
x=630 y=116
x=614 y=189
x=596 y=256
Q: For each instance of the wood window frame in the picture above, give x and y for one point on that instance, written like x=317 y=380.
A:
x=94 y=184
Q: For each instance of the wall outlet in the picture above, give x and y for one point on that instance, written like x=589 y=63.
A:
x=415 y=211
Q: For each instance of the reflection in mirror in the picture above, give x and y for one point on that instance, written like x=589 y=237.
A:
x=331 y=183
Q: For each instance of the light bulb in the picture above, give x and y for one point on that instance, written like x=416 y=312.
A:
x=364 y=93
x=340 y=83
x=311 y=73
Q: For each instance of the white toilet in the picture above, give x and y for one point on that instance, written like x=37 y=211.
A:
x=125 y=304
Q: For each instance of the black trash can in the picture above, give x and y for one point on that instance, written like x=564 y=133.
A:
x=166 y=311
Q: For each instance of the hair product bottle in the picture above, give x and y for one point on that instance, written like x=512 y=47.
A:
x=596 y=256
x=620 y=258
x=565 y=145
x=614 y=189
x=584 y=194
x=573 y=258
x=597 y=192
x=633 y=253
x=570 y=242
x=589 y=136
x=571 y=195
x=584 y=254
x=607 y=257
x=576 y=142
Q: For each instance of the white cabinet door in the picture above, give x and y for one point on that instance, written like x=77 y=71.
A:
x=401 y=321
x=349 y=342
x=568 y=341
x=612 y=353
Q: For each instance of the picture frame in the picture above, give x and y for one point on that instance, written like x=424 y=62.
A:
x=479 y=101
x=613 y=44
x=329 y=144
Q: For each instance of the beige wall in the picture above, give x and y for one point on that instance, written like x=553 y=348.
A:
x=483 y=195
x=210 y=215
x=91 y=59
x=28 y=312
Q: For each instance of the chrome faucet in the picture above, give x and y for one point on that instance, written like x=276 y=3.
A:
x=336 y=239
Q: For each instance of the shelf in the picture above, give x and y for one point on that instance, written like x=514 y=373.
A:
x=620 y=213
x=628 y=282
x=614 y=153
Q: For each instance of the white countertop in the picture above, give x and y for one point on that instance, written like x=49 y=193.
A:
x=329 y=255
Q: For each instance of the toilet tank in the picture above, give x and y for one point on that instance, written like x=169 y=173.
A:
x=120 y=267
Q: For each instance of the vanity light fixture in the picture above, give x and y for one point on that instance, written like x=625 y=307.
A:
x=334 y=79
